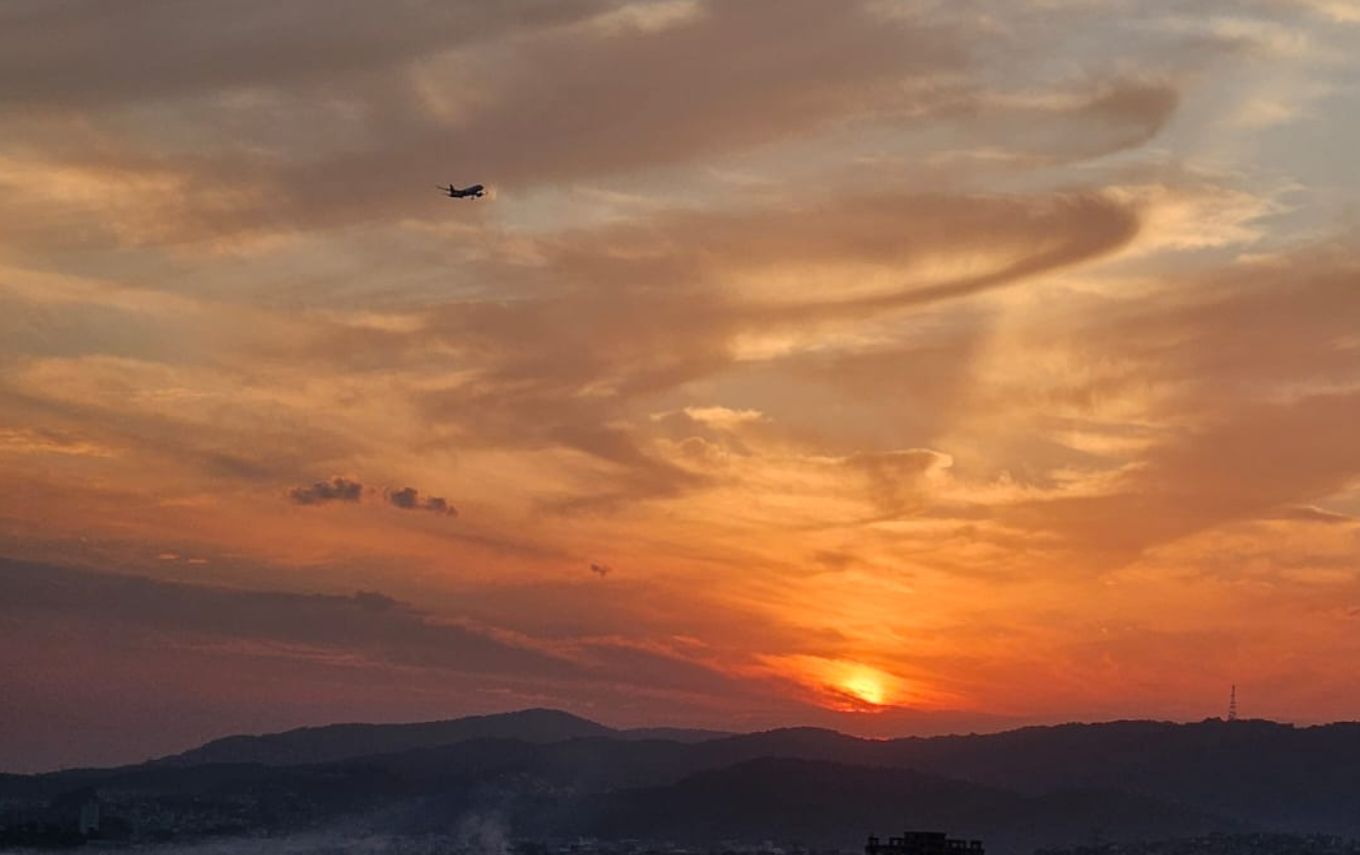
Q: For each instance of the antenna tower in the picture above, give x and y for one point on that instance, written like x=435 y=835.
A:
x=1232 y=704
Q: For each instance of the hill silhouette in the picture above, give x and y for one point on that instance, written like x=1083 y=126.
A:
x=548 y=773
x=822 y=804
x=344 y=741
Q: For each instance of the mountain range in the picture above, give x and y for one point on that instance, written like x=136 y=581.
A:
x=547 y=774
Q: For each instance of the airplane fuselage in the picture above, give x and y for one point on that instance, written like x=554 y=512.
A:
x=475 y=191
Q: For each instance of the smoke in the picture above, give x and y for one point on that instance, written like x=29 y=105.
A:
x=316 y=843
x=485 y=840
x=475 y=834
x=480 y=834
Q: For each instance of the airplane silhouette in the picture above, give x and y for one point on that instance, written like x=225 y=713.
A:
x=476 y=191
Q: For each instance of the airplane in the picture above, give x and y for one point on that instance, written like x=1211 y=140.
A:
x=476 y=191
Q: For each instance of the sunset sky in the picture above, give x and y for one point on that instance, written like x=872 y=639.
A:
x=892 y=366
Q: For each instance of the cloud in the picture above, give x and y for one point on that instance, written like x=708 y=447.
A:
x=1033 y=129
x=895 y=478
x=1250 y=460
x=376 y=601
x=367 y=627
x=1248 y=429
x=835 y=560
x=188 y=425
x=368 y=622
x=702 y=86
x=339 y=489
x=48 y=442
x=630 y=312
x=436 y=504
x=423 y=81
x=408 y=499
x=367 y=652
x=1312 y=513
x=1340 y=11
x=335 y=490
x=74 y=53
x=711 y=84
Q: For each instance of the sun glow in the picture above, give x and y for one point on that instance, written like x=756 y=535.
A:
x=866 y=687
x=843 y=684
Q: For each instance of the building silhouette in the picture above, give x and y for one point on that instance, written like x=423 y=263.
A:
x=923 y=843
x=70 y=819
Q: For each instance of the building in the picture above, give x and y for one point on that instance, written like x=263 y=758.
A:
x=68 y=820
x=78 y=810
x=87 y=823
x=923 y=843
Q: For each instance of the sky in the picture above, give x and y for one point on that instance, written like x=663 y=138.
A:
x=897 y=366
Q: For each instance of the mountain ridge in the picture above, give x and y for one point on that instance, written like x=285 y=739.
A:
x=560 y=773
x=340 y=741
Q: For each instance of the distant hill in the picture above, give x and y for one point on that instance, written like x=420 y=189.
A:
x=556 y=773
x=675 y=734
x=345 y=741
x=568 y=790
x=834 y=805
x=1279 y=776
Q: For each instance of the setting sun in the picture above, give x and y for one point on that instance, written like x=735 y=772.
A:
x=866 y=688
x=844 y=685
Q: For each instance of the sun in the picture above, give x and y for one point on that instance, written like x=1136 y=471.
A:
x=866 y=688
x=845 y=685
